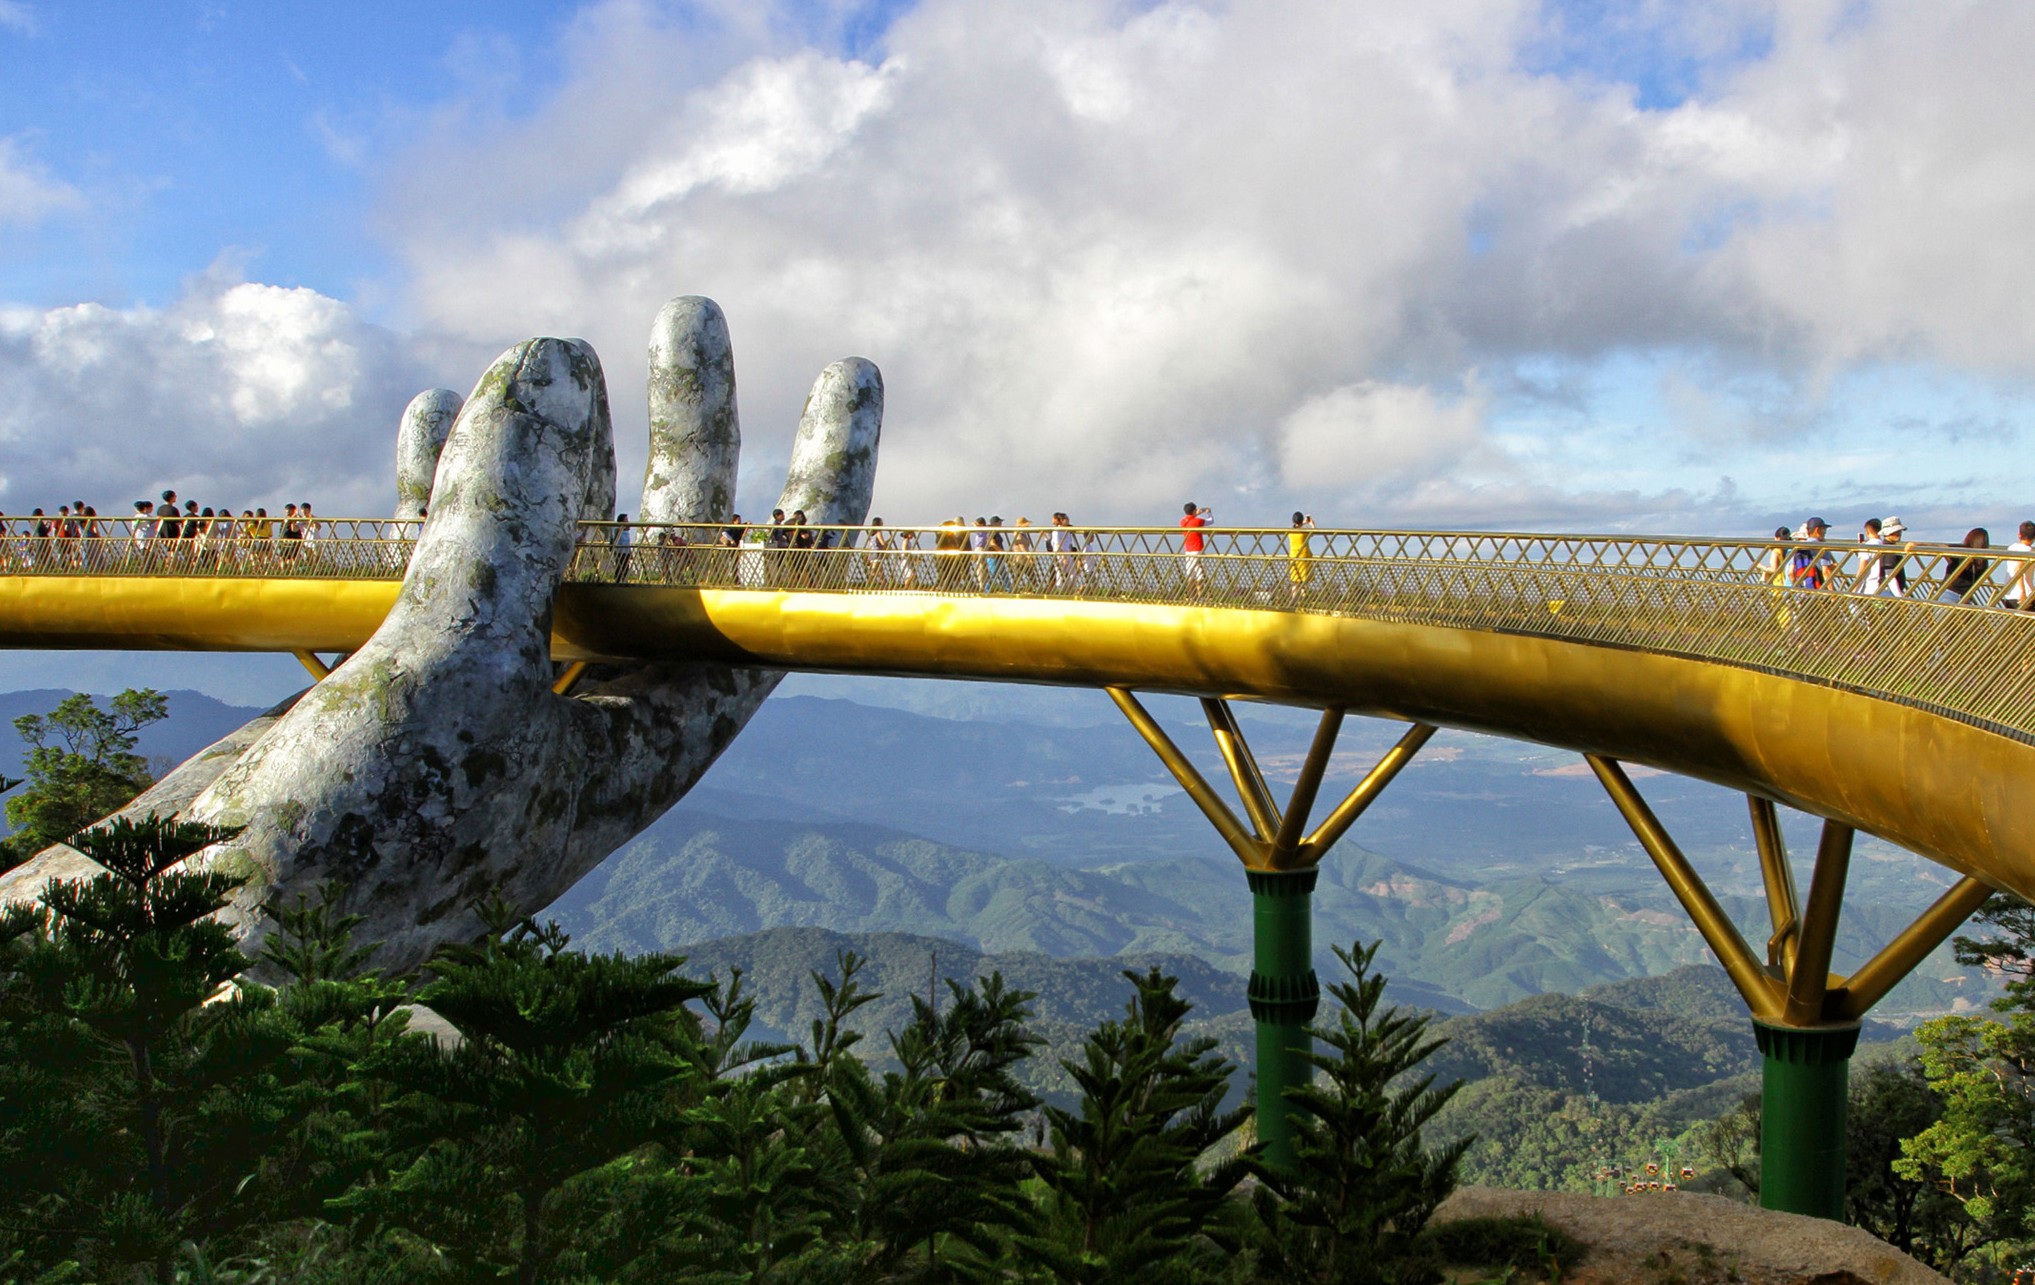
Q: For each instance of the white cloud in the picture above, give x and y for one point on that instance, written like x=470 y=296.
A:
x=28 y=194
x=1377 y=438
x=17 y=17
x=237 y=394
x=1110 y=255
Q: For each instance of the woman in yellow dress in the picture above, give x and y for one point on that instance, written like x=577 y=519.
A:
x=1299 y=557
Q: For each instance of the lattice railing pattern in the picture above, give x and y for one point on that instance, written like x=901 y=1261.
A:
x=1943 y=642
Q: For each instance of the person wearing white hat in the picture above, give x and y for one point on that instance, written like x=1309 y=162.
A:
x=2021 y=588
x=1893 y=566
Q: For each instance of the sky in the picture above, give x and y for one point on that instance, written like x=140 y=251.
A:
x=1673 y=266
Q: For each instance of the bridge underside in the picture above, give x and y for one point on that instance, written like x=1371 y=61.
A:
x=1947 y=789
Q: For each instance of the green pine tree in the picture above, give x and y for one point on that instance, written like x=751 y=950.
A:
x=565 y=1066
x=763 y=1147
x=134 y=967
x=81 y=767
x=936 y=1177
x=1125 y=1192
x=1359 y=1199
x=340 y=1013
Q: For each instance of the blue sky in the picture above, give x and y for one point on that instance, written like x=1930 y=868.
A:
x=1486 y=263
x=208 y=128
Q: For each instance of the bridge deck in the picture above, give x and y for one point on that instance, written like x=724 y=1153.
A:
x=1903 y=716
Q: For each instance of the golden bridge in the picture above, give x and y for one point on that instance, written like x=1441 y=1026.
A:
x=1908 y=717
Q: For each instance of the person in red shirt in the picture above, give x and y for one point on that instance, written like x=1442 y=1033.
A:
x=1191 y=541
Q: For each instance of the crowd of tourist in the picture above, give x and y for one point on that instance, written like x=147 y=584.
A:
x=1880 y=562
x=982 y=556
x=167 y=531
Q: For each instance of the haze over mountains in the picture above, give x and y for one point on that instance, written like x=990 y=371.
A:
x=1492 y=870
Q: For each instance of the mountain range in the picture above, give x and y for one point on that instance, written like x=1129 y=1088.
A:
x=1491 y=870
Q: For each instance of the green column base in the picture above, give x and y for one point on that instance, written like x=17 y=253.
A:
x=1284 y=995
x=1803 y=1104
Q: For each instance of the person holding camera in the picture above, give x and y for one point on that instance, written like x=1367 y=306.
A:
x=1299 y=557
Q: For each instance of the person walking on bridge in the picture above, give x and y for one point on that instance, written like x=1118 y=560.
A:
x=625 y=538
x=1809 y=568
x=1894 y=566
x=950 y=548
x=1866 y=579
x=1064 y=544
x=1962 y=584
x=2020 y=592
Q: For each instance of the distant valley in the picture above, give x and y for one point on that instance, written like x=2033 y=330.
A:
x=1492 y=870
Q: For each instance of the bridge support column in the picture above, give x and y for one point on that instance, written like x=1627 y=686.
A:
x=1804 y=1100
x=1281 y=863
x=1804 y=1018
x=1284 y=995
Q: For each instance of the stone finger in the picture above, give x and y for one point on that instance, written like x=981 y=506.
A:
x=427 y=421
x=833 y=460
x=695 y=432
x=598 y=505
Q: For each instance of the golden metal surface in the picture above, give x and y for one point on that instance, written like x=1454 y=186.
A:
x=568 y=677
x=191 y=613
x=1337 y=823
x=1243 y=768
x=1809 y=975
x=1276 y=845
x=1778 y=874
x=1939 y=785
x=1903 y=717
x=1287 y=843
x=1754 y=984
x=318 y=669
x=1899 y=957
x=1205 y=798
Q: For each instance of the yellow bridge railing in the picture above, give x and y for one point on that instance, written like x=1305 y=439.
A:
x=1934 y=635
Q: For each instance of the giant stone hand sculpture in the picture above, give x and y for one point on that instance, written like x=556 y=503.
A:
x=436 y=766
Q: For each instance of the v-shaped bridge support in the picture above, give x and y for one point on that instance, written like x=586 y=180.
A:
x=1805 y=1018
x=1281 y=859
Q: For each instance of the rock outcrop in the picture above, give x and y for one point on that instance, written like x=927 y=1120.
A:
x=1698 y=1240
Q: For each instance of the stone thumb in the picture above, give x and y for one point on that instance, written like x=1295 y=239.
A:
x=511 y=485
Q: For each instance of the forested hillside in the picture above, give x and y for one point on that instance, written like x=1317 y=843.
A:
x=1556 y=1087
x=1449 y=944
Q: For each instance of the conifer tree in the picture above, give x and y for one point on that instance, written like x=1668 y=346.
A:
x=339 y=1013
x=1125 y=1195
x=774 y=1183
x=1363 y=1185
x=134 y=962
x=81 y=767
x=936 y=1175
x=563 y=1067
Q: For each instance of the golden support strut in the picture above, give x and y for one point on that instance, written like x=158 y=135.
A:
x=1795 y=988
x=1273 y=841
x=1752 y=981
x=1783 y=907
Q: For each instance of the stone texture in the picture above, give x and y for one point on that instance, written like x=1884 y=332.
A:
x=1698 y=1240
x=695 y=432
x=427 y=421
x=833 y=462
x=435 y=766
